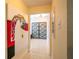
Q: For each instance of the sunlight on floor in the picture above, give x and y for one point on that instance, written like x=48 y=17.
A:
x=39 y=46
x=39 y=50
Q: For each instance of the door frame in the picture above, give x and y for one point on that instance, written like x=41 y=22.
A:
x=50 y=37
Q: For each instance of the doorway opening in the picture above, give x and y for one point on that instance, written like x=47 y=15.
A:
x=40 y=35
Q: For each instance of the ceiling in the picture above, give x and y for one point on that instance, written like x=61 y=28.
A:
x=31 y=3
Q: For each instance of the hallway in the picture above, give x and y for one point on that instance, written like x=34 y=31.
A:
x=39 y=50
x=18 y=29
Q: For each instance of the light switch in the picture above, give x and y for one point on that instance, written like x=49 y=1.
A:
x=22 y=35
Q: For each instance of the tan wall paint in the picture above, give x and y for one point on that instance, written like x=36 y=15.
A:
x=32 y=3
x=59 y=7
x=39 y=9
x=29 y=33
x=16 y=7
x=18 y=4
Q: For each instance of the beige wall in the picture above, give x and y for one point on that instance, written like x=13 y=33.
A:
x=59 y=8
x=39 y=9
x=15 y=7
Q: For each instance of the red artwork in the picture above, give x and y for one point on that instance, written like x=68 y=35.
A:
x=11 y=29
x=11 y=32
x=9 y=35
x=24 y=26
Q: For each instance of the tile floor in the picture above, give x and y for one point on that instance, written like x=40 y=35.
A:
x=39 y=50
